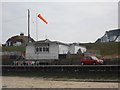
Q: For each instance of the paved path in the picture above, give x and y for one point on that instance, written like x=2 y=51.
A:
x=33 y=82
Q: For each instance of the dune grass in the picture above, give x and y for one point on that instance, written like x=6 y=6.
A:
x=13 y=48
x=109 y=48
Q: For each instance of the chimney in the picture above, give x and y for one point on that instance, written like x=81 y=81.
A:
x=21 y=34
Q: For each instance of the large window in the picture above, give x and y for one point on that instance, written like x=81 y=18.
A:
x=42 y=49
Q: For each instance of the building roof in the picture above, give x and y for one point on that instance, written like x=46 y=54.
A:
x=20 y=38
x=110 y=33
x=57 y=42
x=113 y=32
x=49 y=41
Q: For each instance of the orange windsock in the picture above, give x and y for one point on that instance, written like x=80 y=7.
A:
x=40 y=16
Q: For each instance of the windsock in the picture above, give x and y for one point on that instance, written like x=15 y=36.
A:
x=40 y=16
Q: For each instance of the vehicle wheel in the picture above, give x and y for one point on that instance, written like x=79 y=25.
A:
x=94 y=63
x=82 y=63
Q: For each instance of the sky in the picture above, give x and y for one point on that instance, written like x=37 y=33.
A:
x=68 y=22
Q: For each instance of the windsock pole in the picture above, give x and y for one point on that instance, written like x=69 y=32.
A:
x=36 y=27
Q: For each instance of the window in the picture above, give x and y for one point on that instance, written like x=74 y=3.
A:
x=47 y=49
x=42 y=49
x=37 y=49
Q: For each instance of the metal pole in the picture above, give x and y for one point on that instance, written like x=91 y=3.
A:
x=28 y=25
x=36 y=28
x=37 y=32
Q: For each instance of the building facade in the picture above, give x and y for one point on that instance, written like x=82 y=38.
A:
x=47 y=49
x=110 y=36
x=18 y=40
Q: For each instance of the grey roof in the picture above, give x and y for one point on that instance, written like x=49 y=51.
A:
x=57 y=42
x=110 y=33
x=113 y=32
x=20 y=39
x=49 y=41
x=44 y=41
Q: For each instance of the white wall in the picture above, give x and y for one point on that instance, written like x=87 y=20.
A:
x=76 y=49
x=83 y=49
x=8 y=43
x=72 y=49
x=30 y=52
x=41 y=56
x=63 y=49
x=105 y=38
x=54 y=51
x=52 y=54
x=112 y=38
x=30 y=49
x=118 y=39
x=17 y=44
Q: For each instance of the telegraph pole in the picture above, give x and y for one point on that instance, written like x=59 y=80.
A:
x=28 y=25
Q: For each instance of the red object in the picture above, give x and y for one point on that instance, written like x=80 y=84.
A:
x=91 y=60
x=40 y=16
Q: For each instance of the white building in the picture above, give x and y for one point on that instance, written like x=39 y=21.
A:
x=47 y=49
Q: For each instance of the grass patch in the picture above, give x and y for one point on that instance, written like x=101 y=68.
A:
x=14 y=48
x=108 y=48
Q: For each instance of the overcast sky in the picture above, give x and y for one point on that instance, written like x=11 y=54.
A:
x=67 y=21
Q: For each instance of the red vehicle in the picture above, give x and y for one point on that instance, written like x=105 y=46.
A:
x=91 y=60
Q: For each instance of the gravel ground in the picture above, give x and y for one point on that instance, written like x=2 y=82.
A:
x=37 y=82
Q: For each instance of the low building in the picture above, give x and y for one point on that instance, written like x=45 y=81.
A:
x=18 y=40
x=46 y=49
x=110 y=36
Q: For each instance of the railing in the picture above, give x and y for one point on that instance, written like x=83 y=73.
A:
x=65 y=68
